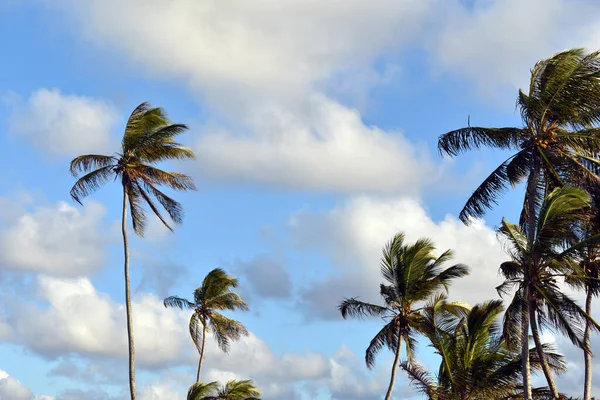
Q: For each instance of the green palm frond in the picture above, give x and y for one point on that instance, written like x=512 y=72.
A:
x=386 y=337
x=458 y=141
x=357 y=309
x=202 y=391
x=239 y=390
x=174 y=301
x=225 y=329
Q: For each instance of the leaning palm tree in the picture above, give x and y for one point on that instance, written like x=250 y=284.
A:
x=539 y=266
x=558 y=137
x=213 y=296
x=232 y=390
x=148 y=139
x=412 y=274
x=476 y=362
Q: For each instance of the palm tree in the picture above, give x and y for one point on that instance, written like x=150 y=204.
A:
x=476 y=362
x=536 y=267
x=214 y=295
x=233 y=390
x=585 y=229
x=148 y=139
x=412 y=273
x=558 y=138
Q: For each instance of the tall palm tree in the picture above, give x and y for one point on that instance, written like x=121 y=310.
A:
x=557 y=138
x=476 y=362
x=147 y=140
x=232 y=390
x=537 y=267
x=412 y=274
x=213 y=296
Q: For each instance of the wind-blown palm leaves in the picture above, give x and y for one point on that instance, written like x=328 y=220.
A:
x=213 y=296
x=412 y=274
x=540 y=265
x=233 y=390
x=558 y=139
x=476 y=362
x=148 y=139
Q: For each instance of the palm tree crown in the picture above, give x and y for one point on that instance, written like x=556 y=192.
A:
x=232 y=390
x=412 y=274
x=558 y=137
x=213 y=296
x=148 y=139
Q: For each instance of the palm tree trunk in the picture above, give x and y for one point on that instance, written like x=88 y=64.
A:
x=128 y=299
x=587 y=386
x=201 y=351
x=534 y=175
x=538 y=345
x=388 y=395
x=525 y=367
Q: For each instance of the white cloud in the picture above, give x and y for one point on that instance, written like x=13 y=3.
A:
x=329 y=147
x=56 y=239
x=64 y=124
x=354 y=233
x=265 y=45
x=495 y=43
x=12 y=389
x=78 y=320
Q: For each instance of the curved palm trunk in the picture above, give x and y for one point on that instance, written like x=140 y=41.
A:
x=128 y=299
x=201 y=351
x=587 y=386
x=540 y=350
x=388 y=395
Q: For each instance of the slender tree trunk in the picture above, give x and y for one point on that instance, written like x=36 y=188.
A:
x=538 y=345
x=201 y=351
x=388 y=395
x=531 y=223
x=587 y=386
x=525 y=367
x=128 y=299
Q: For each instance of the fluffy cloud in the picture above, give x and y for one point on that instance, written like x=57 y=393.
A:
x=353 y=234
x=265 y=45
x=12 y=389
x=473 y=40
x=64 y=124
x=327 y=148
x=56 y=239
x=161 y=342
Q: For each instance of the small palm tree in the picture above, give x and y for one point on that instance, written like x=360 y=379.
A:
x=476 y=362
x=412 y=273
x=148 y=139
x=537 y=266
x=213 y=296
x=233 y=390
x=558 y=138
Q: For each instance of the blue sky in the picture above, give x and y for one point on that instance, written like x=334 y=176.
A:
x=315 y=126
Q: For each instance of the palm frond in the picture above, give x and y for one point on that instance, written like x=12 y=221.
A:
x=351 y=307
x=469 y=138
x=90 y=162
x=174 y=301
x=202 y=391
x=386 y=337
x=91 y=182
